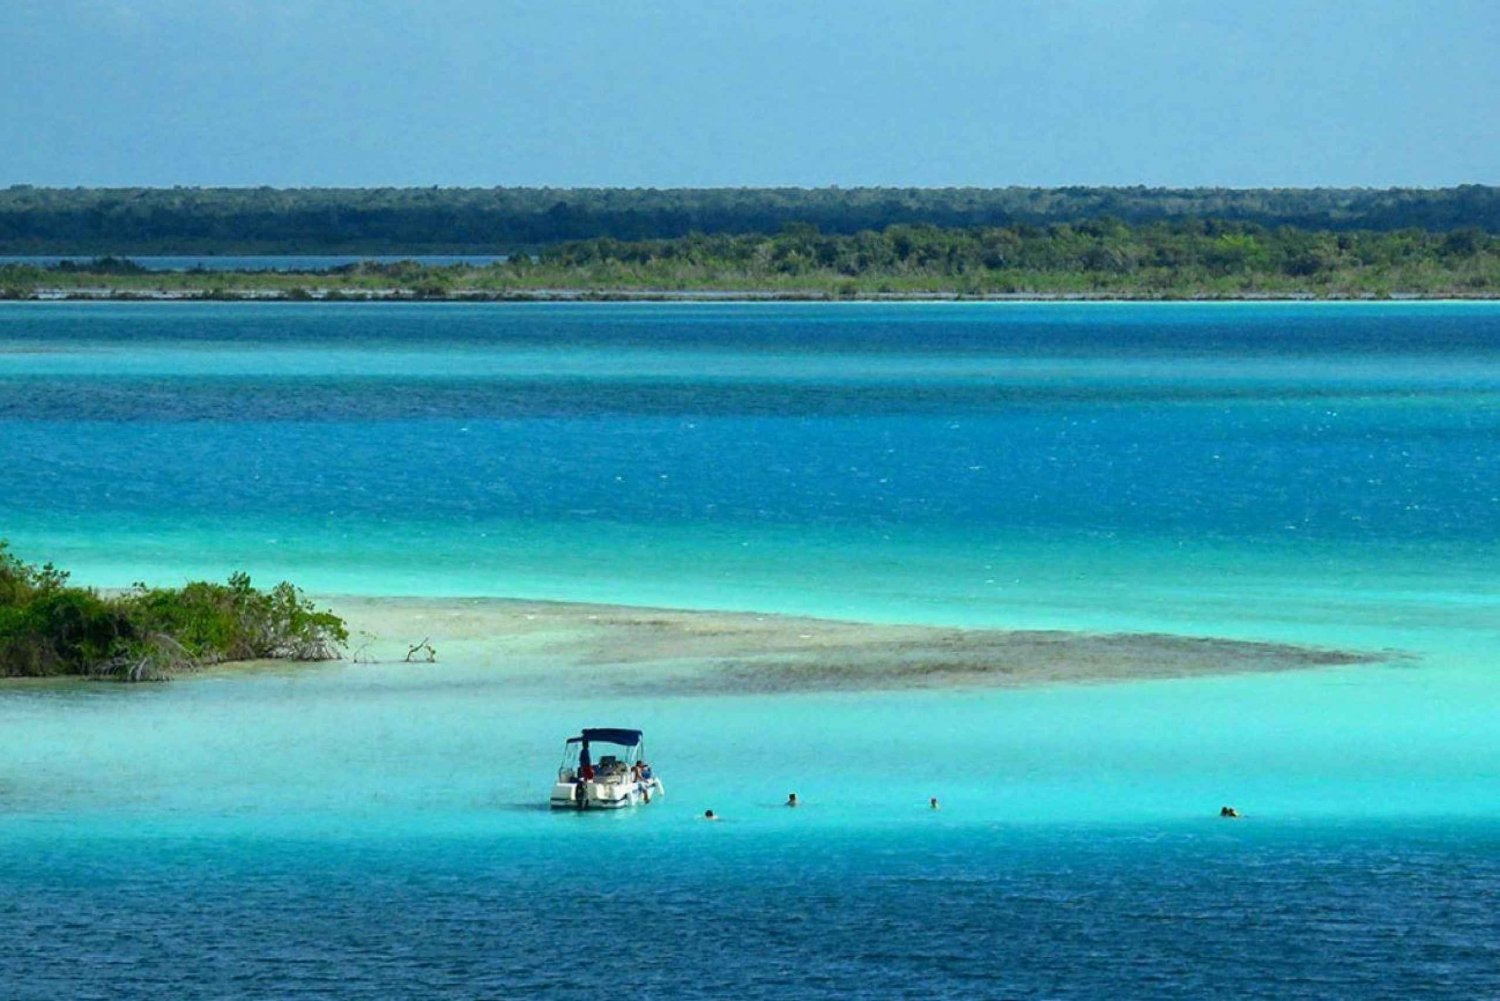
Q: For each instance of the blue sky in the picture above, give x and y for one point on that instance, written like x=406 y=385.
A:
x=621 y=93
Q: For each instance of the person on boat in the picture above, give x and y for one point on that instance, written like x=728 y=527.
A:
x=640 y=773
x=791 y=799
x=585 y=765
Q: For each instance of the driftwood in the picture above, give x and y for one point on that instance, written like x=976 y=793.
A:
x=360 y=654
x=423 y=652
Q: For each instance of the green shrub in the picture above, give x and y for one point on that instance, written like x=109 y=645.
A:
x=49 y=628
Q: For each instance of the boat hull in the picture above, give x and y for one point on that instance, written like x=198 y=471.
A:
x=604 y=795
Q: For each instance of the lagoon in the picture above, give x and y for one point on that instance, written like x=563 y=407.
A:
x=1318 y=474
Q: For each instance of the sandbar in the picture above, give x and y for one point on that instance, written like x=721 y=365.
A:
x=669 y=651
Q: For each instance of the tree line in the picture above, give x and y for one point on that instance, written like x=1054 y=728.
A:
x=1106 y=257
x=500 y=220
x=1197 y=248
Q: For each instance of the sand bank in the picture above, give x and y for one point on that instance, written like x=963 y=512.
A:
x=664 y=651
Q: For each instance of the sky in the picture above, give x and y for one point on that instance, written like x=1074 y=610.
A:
x=617 y=93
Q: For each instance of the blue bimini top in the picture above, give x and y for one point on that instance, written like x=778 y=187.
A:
x=608 y=735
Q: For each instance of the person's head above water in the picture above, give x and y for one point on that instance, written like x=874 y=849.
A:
x=709 y=815
x=791 y=799
x=933 y=803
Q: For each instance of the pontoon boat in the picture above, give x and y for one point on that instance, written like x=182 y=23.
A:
x=613 y=780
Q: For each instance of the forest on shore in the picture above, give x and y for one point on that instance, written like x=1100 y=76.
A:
x=1104 y=258
x=125 y=221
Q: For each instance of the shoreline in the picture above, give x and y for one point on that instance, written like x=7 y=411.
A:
x=703 y=296
x=657 y=651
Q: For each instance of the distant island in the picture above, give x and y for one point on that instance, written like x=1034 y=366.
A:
x=1103 y=258
x=762 y=243
x=49 y=629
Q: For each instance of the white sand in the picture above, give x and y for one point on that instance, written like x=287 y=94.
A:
x=664 y=650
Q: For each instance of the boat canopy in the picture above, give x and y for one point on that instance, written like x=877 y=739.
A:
x=608 y=735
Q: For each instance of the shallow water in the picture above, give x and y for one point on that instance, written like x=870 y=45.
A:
x=1315 y=473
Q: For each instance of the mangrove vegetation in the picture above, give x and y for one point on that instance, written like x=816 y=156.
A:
x=51 y=628
x=1102 y=258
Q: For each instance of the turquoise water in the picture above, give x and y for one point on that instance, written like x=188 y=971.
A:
x=1317 y=473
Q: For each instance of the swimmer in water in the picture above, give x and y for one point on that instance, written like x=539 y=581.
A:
x=710 y=815
x=791 y=799
x=933 y=803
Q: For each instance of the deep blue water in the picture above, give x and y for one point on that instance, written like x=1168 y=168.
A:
x=1318 y=473
x=1280 y=422
x=948 y=914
